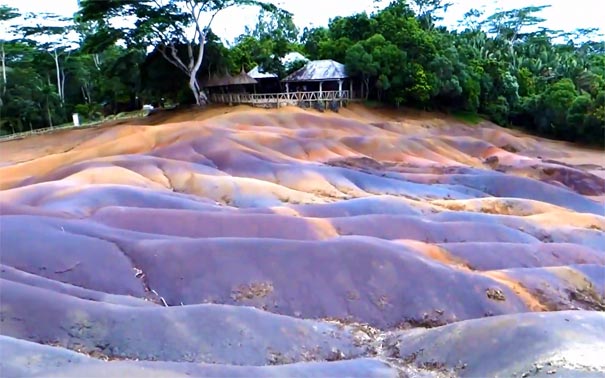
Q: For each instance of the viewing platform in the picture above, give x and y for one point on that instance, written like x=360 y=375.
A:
x=276 y=100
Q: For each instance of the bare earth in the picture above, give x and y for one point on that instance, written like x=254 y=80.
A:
x=238 y=242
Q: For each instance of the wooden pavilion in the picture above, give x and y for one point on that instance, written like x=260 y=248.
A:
x=319 y=83
x=320 y=76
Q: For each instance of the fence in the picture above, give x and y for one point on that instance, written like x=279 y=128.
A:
x=255 y=99
x=276 y=99
x=4 y=138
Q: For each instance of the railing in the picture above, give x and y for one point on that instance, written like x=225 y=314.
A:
x=45 y=130
x=256 y=99
x=289 y=98
x=4 y=138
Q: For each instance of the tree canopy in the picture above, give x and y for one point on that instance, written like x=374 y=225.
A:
x=164 y=24
x=506 y=66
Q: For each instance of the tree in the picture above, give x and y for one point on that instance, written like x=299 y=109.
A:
x=274 y=25
x=509 y=24
x=274 y=36
x=248 y=52
x=52 y=33
x=428 y=11
x=166 y=24
x=312 y=39
x=30 y=98
x=555 y=103
x=586 y=116
x=472 y=19
x=6 y=14
x=361 y=63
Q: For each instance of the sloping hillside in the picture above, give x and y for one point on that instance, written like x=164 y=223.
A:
x=296 y=243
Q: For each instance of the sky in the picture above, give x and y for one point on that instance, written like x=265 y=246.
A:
x=562 y=15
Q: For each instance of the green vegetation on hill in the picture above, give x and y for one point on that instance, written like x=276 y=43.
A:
x=504 y=66
x=468 y=117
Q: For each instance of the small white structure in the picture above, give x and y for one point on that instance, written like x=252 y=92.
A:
x=147 y=108
x=76 y=119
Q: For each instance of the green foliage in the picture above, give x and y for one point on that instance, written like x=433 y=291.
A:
x=373 y=104
x=295 y=66
x=554 y=105
x=468 y=117
x=587 y=116
x=505 y=66
x=274 y=36
x=169 y=24
x=89 y=112
x=311 y=41
x=92 y=85
x=498 y=110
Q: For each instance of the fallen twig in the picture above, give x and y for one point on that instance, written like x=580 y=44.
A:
x=161 y=298
x=68 y=269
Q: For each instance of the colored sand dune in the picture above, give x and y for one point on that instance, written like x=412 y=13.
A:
x=235 y=242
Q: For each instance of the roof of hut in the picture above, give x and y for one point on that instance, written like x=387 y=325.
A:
x=217 y=81
x=288 y=59
x=256 y=74
x=243 y=79
x=226 y=80
x=319 y=70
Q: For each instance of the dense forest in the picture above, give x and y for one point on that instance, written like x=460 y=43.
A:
x=505 y=66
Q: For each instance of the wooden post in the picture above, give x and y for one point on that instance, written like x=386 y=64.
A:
x=321 y=94
x=351 y=89
x=340 y=92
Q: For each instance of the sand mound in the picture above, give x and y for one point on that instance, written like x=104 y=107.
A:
x=219 y=242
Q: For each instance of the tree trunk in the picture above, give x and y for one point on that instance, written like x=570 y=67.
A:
x=3 y=57
x=97 y=61
x=86 y=93
x=195 y=89
x=200 y=97
x=63 y=84
x=58 y=69
x=50 y=117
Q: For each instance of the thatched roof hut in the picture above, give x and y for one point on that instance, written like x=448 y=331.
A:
x=243 y=79
x=217 y=81
x=227 y=80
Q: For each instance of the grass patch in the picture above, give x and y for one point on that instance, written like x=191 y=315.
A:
x=468 y=117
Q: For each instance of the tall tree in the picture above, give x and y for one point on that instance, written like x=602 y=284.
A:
x=510 y=24
x=166 y=24
x=429 y=11
x=273 y=36
x=52 y=33
x=6 y=14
